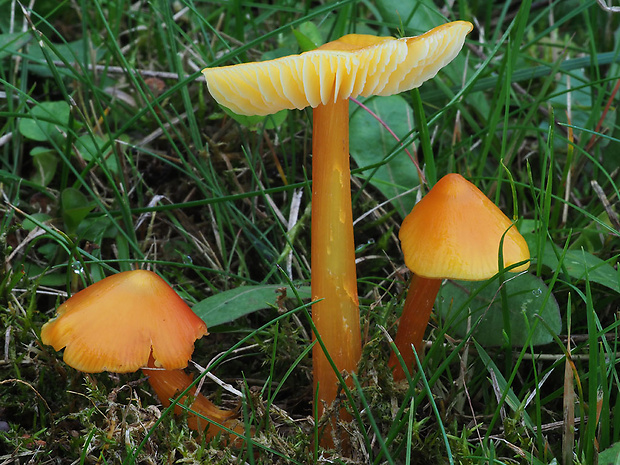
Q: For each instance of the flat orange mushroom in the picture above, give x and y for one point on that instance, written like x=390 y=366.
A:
x=454 y=232
x=114 y=324
x=134 y=320
x=325 y=79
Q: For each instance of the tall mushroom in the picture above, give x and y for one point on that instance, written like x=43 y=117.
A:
x=134 y=320
x=454 y=232
x=325 y=79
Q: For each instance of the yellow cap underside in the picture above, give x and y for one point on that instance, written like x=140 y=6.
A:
x=365 y=65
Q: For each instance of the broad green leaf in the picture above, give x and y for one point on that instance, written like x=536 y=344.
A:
x=48 y=120
x=227 y=306
x=308 y=36
x=578 y=263
x=526 y=294
x=610 y=456
x=45 y=162
x=73 y=53
x=254 y=123
x=90 y=147
x=75 y=207
x=413 y=17
x=95 y=229
x=370 y=142
x=45 y=276
x=30 y=225
x=11 y=43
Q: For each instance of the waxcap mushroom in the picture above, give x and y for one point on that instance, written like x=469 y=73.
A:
x=114 y=324
x=326 y=79
x=455 y=232
x=353 y=65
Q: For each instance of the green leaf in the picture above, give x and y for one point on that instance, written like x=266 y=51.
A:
x=30 y=225
x=11 y=43
x=526 y=294
x=370 y=142
x=414 y=17
x=90 y=147
x=308 y=36
x=576 y=262
x=73 y=53
x=75 y=207
x=230 y=305
x=44 y=276
x=96 y=229
x=580 y=262
x=254 y=123
x=610 y=456
x=48 y=121
x=45 y=162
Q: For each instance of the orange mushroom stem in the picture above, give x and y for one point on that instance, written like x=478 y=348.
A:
x=334 y=280
x=413 y=322
x=454 y=232
x=168 y=384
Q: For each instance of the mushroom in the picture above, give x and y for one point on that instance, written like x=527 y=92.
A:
x=325 y=79
x=134 y=320
x=454 y=232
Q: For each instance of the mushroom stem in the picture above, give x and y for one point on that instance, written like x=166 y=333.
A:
x=168 y=384
x=413 y=322
x=334 y=280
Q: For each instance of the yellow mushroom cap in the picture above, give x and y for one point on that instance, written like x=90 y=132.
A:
x=114 y=324
x=353 y=65
x=455 y=232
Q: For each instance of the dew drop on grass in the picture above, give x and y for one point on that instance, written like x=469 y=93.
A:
x=537 y=292
x=77 y=268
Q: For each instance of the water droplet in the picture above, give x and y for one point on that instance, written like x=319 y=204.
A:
x=537 y=292
x=77 y=267
x=187 y=259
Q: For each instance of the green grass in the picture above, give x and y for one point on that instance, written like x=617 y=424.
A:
x=113 y=156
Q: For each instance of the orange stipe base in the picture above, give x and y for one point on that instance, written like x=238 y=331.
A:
x=168 y=384
x=413 y=322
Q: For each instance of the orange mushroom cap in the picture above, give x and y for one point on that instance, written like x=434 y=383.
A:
x=114 y=324
x=455 y=232
x=353 y=65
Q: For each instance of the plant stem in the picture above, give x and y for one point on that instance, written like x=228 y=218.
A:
x=334 y=279
x=413 y=322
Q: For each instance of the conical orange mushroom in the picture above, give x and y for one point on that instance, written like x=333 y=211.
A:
x=128 y=321
x=325 y=79
x=454 y=232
